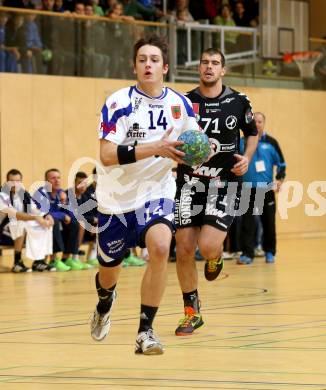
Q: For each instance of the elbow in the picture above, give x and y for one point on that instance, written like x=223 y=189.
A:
x=108 y=160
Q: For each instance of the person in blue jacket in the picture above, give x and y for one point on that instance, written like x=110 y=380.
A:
x=52 y=199
x=260 y=177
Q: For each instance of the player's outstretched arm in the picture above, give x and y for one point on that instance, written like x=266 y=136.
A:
x=113 y=154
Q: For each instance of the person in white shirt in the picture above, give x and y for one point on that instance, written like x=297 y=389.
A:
x=135 y=189
x=20 y=218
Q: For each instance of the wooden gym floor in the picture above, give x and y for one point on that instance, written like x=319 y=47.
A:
x=265 y=329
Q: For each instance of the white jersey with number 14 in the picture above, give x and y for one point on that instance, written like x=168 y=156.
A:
x=129 y=117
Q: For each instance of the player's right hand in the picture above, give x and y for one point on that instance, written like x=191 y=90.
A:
x=167 y=148
x=42 y=222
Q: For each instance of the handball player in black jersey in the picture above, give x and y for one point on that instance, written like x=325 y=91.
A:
x=208 y=195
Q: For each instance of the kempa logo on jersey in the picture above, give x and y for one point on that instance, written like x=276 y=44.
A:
x=155 y=106
x=135 y=132
x=231 y=122
x=227 y=100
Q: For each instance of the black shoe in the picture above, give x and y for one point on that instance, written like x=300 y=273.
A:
x=20 y=267
x=39 y=265
x=213 y=268
x=189 y=322
x=50 y=267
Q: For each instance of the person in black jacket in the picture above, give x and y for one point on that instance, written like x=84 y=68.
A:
x=207 y=196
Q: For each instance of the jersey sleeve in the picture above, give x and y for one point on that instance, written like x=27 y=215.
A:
x=247 y=124
x=190 y=122
x=112 y=125
x=279 y=161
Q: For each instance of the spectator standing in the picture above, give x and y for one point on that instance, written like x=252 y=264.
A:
x=225 y=19
x=15 y=43
x=240 y=15
x=3 y=22
x=33 y=62
x=260 y=179
x=97 y=9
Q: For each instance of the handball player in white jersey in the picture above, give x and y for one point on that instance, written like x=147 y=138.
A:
x=138 y=137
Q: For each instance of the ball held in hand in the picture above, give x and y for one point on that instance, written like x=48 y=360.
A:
x=196 y=147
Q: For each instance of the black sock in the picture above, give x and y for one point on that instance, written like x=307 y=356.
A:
x=191 y=299
x=147 y=315
x=104 y=296
x=18 y=257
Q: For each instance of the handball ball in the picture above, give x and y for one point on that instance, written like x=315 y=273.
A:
x=196 y=147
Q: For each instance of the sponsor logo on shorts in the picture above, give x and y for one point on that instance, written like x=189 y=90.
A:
x=115 y=246
x=207 y=171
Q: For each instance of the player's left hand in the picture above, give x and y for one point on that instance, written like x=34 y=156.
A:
x=241 y=166
x=277 y=185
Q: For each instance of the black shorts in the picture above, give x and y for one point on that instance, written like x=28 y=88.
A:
x=199 y=203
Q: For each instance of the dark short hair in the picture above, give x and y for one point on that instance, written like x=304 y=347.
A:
x=153 y=40
x=50 y=170
x=13 y=172
x=80 y=175
x=212 y=51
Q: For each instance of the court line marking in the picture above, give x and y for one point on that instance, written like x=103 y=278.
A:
x=172 y=380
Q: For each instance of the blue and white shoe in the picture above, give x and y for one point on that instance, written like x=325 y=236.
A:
x=244 y=260
x=269 y=257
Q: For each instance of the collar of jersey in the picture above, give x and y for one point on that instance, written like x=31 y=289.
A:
x=163 y=94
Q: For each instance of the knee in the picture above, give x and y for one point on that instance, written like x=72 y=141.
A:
x=209 y=251
x=159 y=252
